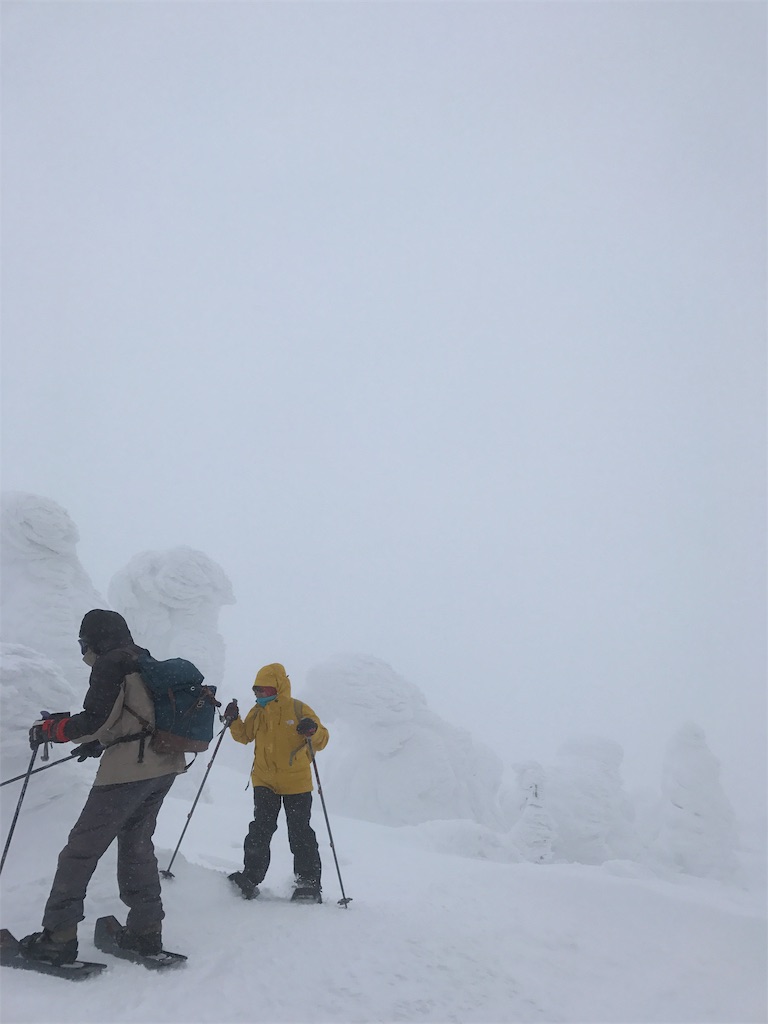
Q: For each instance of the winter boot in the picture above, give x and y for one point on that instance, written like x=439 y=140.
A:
x=148 y=943
x=52 y=947
x=248 y=890
x=307 y=890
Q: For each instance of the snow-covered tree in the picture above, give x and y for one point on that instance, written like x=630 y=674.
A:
x=393 y=760
x=44 y=590
x=171 y=601
x=697 y=828
x=586 y=798
x=533 y=833
x=31 y=683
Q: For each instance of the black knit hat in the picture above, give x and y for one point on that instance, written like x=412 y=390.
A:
x=103 y=630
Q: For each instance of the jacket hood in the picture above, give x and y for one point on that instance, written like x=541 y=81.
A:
x=274 y=675
x=104 y=630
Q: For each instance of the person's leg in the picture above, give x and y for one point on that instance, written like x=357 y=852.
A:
x=102 y=817
x=302 y=838
x=137 y=874
x=266 y=807
x=104 y=813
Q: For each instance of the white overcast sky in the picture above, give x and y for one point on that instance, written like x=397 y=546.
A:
x=440 y=326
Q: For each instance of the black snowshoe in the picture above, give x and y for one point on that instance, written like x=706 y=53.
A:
x=111 y=937
x=248 y=890
x=14 y=954
x=307 y=890
x=41 y=946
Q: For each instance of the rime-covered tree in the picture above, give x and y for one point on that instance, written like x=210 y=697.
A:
x=586 y=798
x=44 y=590
x=171 y=600
x=533 y=832
x=393 y=760
x=31 y=683
x=697 y=828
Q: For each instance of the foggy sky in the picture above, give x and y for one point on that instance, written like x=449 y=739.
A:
x=440 y=327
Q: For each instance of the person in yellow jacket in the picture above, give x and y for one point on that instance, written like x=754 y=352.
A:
x=279 y=726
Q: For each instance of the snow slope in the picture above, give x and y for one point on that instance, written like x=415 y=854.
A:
x=451 y=919
x=434 y=933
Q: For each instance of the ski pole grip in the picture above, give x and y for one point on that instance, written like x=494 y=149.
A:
x=45 y=756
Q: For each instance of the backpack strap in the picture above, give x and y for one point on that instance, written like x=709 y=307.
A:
x=147 y=730
x=140 y=736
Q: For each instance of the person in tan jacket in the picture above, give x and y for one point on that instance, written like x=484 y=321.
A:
x=123 y=803
x=279 y=726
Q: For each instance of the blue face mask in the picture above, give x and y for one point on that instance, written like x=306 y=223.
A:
x=265 y=700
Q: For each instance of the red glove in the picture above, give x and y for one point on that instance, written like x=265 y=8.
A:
x=49 y=730
x=307 y=727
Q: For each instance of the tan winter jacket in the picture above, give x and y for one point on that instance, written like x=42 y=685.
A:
x=114 y=687
x=120 y=763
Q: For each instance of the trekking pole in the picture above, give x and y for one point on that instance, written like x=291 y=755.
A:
x=345 y=899
x=42 y=768
x=18 y=806
x=168 y=873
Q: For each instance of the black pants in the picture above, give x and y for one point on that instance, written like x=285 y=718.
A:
x=127 y=812
x=301 y=835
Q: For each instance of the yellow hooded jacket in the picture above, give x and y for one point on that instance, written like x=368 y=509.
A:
x=281 y=758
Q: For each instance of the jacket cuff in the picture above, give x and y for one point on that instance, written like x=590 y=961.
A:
x=60 y=731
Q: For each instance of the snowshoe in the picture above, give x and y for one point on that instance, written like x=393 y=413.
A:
x=42 y=946
x=145 y=944
x=110 y=937
x=307 y=890
x=12 y=955
x=248 y=890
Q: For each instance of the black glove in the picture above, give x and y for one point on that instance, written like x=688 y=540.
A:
x=86 y=750
x=231 y=712
x=307 y=727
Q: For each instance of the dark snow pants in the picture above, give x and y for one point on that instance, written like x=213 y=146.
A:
x=301 y=836
x=127 y=812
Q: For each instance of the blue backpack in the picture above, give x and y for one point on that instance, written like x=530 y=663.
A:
x=185 y=709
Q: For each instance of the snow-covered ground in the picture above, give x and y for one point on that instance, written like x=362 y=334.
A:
x=482 y=891
x=430 y=935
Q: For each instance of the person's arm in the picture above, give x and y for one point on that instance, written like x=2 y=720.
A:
x=320 y=737
x=104 y=686
x=244 y=731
